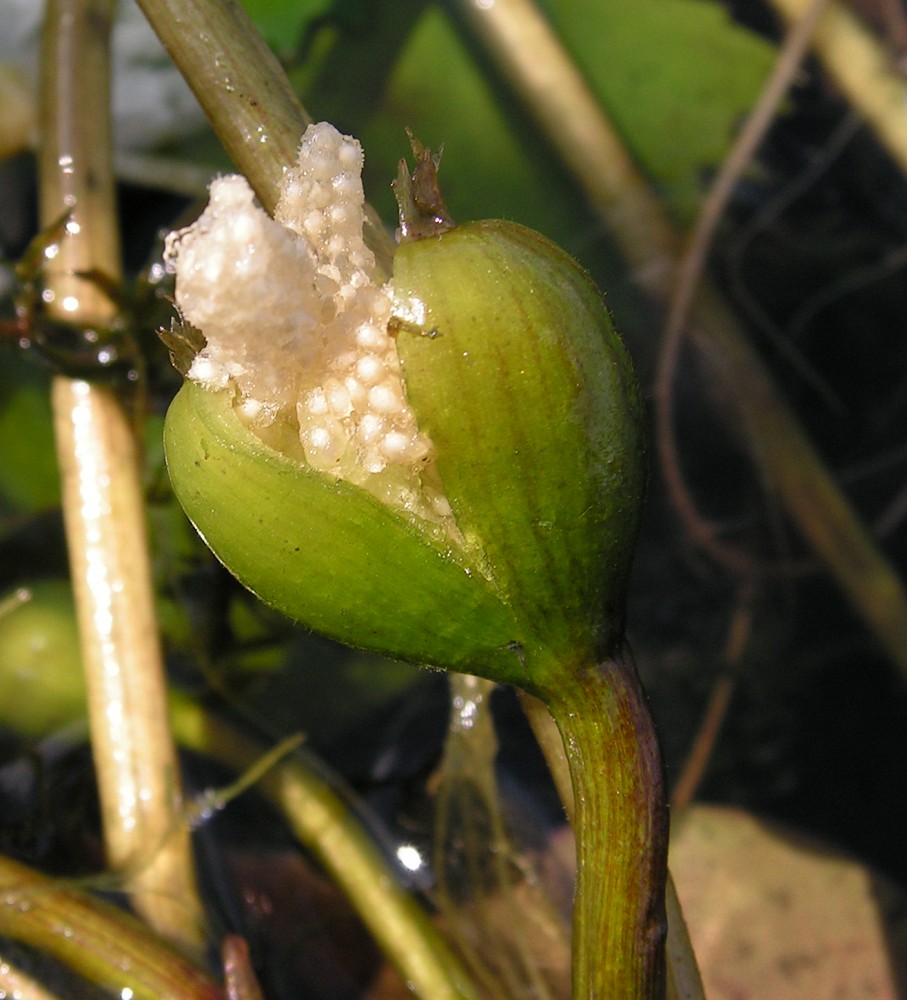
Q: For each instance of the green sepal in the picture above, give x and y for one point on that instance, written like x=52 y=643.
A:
x=513 y=368
x=329 y=554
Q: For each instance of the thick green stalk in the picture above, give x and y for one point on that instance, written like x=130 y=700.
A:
x=621 y=824
x=238 y=82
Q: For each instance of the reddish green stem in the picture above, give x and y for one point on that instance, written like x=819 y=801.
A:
x=102 y=943
x=621 y=823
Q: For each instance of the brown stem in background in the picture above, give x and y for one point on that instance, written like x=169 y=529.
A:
x=689 y=275
x=863 y=67
x=103 y=501
x=239 y=976
x=719 y=701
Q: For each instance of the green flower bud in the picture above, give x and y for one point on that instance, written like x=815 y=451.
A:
x=517 y=376
x=41 y=681
x=445 y=468
x=328 y=553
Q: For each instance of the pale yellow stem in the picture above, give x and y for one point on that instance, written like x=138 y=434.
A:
x=541 y=72
x=15 y=982
x=863 y=67
x=138 y=778
x=103 y=501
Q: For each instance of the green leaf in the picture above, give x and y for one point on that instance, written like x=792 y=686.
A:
x=675 y=76
x=282 y=22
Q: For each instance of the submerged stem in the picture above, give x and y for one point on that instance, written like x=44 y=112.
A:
x=621 y=821
x=103 y=501
x=95 y=939
x=325 y=825
x=495 y=907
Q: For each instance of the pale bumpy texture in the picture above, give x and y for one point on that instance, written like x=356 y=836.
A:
x=296 y=323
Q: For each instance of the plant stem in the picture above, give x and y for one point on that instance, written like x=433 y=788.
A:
x=238 y=82
x=324 y=825
x=15 y=982
x=245 y=94
x=103 y=502
x=506 y=916
x=621 y=824
x=863 y=66
x=683 y=981
x=96 y=939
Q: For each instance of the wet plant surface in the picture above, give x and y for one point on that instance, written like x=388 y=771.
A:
x=812 y=257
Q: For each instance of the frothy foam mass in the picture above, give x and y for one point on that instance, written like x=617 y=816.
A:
x=296 y=323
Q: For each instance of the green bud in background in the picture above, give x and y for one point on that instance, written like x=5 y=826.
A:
x=447 y=468
x=41 y=683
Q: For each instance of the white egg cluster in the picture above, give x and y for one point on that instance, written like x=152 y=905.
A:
x=296 y=323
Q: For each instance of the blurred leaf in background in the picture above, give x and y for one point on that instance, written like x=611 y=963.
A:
x=675 y=75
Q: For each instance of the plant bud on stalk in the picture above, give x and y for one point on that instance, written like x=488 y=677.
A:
x=447 y=468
